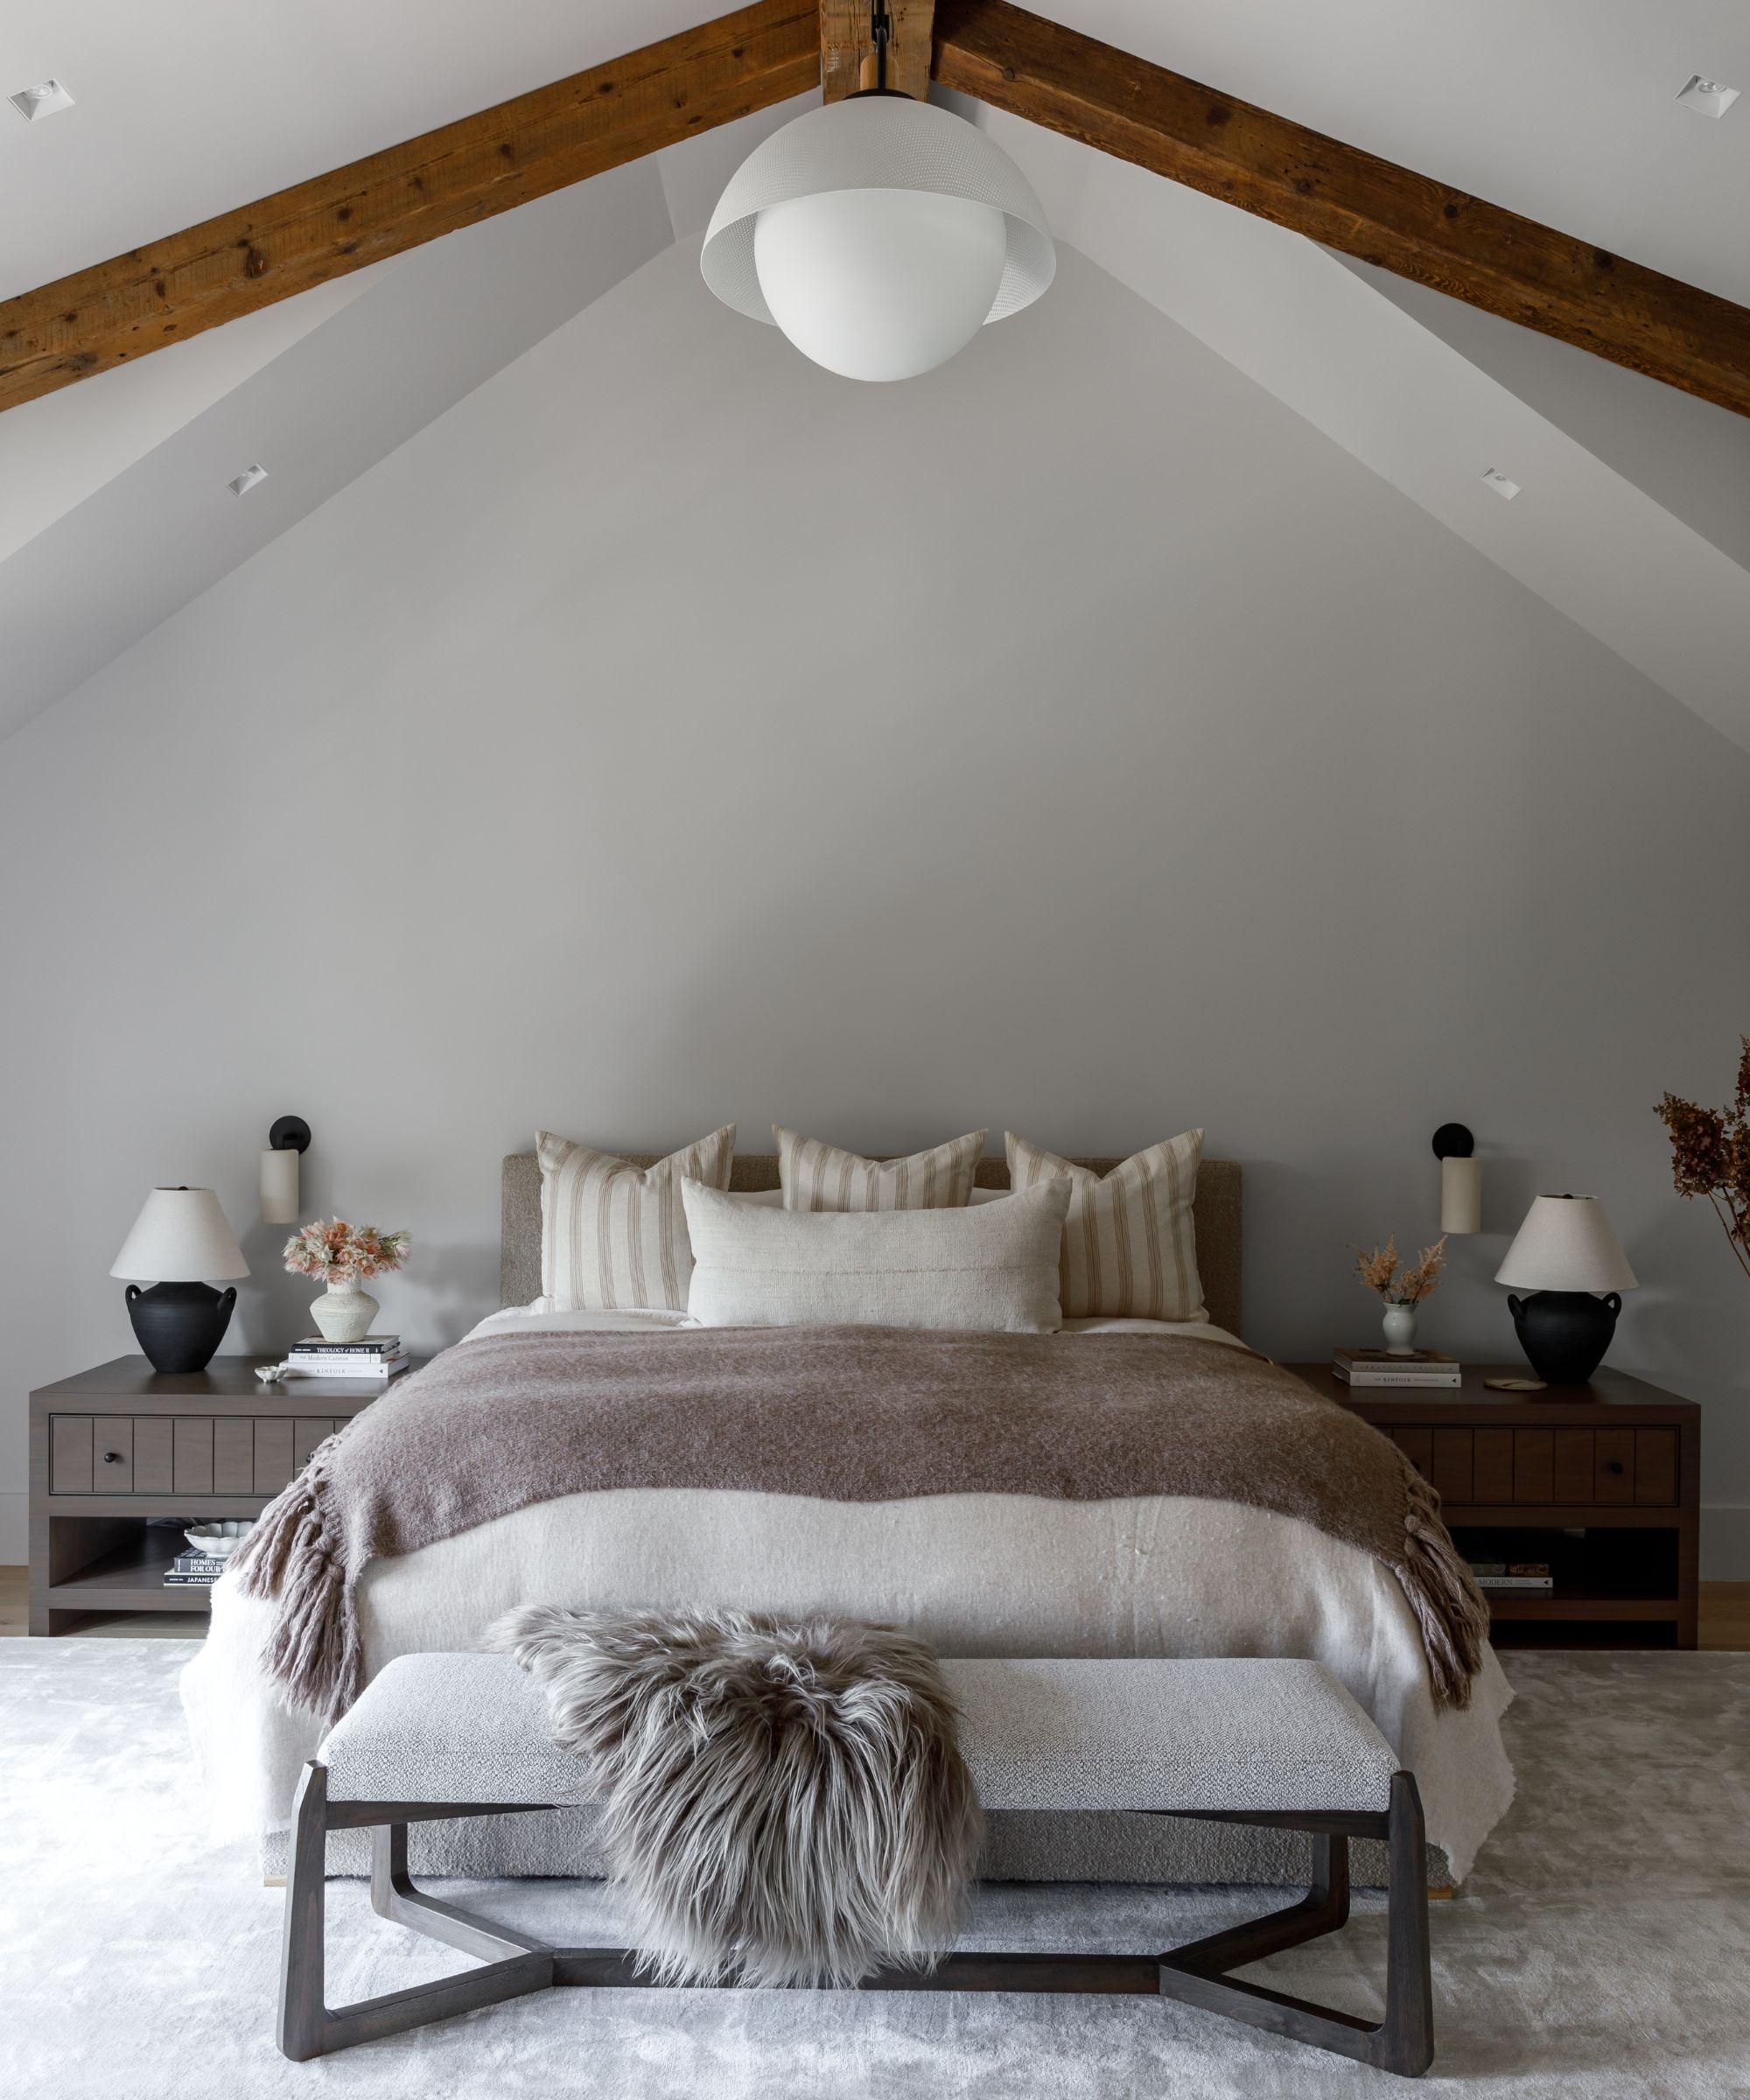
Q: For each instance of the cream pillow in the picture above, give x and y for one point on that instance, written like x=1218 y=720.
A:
x=992 y=1267
x=820 y=1177
x=1130 y=1246
x=613 y=1234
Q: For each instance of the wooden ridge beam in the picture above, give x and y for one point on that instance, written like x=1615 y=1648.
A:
x=394 y=199
x=766 y=52
x=1348 y=200
x=845 y=41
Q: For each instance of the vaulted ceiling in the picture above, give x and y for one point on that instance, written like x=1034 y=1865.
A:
x=1633 y=514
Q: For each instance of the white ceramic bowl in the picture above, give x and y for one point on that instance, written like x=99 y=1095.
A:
x=221 y=1537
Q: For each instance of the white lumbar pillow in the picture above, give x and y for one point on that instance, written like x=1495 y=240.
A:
x=992 y=1267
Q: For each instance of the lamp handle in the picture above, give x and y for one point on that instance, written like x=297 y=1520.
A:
x=132 y=1292
x=1515 y=1306
x=1613 y=1299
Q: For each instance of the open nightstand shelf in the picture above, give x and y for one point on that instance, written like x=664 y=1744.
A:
x=1601 y=1480
x=121 y=1444
x=130 y=1578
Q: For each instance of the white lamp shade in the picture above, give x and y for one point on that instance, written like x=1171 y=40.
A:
x=180 y=1236
x=279 y=1186
x=880 y=235
x=1460 y=1195
x=1566 y=1244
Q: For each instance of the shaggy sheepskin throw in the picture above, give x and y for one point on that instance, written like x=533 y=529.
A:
x=780 y=1803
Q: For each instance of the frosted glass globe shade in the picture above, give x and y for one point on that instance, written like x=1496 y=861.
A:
x=879 y=284
x=870 y=229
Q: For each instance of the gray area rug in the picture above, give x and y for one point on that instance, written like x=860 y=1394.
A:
x=1602 y=1947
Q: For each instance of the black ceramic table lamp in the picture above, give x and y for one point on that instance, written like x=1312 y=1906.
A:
x=1565 y=1252
x=180 y=1237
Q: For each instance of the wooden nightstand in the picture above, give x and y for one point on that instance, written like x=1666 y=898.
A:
x=1601 y=1480
x=123 y=1443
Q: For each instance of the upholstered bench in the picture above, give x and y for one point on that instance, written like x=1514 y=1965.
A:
x=1279 y=1743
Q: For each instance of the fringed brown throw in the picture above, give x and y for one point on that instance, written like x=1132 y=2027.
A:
x=780 y=1803
x=845 y=1414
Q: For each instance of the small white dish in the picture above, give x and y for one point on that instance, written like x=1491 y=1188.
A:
x=220 y=1538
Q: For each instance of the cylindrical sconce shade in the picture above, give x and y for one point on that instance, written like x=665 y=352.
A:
x=1461 y=1195
x=279 y=1188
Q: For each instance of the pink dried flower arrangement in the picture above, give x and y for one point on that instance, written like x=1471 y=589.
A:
x=1383 y=1271
x=337 y=1249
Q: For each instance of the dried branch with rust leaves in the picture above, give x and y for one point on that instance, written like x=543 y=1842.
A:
x=1383 y=1271
x=1711 y=1155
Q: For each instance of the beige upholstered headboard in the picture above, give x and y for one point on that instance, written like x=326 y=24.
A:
x=1217 y=1215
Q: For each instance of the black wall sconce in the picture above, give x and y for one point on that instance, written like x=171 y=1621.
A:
x=289 y=1137
x=1460 y=1179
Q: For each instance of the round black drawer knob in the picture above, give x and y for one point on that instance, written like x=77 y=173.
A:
x=1615 y=1466
x=112 y=1457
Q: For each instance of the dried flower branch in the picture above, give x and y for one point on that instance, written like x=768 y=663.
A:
x=1414 y=1284
x=1377 y=1269
x=1711 y=1155
x=1383 y=1271
x=336 y=1250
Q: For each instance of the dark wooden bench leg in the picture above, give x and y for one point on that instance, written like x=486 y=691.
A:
x=395 y=1896
x=1406 y=2043
x=1325 y=1908
x=515 y=1964
x=301 y=2010
x=1403 y=2041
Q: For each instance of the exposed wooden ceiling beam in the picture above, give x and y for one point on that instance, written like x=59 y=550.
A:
x=845 y=39
x=764 y=53
x=1346 y=198
x=394 y=201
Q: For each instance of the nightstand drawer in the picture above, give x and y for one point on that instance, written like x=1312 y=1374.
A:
x=184 y=1454
x=1568 y=1467
x=1637 y=1466
x=91 y=1454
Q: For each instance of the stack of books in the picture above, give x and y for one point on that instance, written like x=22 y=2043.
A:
x=376 y=1356
x=1377 y=1367
x=192 y=1569
x=1513 y=1574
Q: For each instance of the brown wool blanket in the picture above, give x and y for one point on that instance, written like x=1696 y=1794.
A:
x=844 y=1414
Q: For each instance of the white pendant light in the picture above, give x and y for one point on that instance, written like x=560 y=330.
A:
x=879 y=233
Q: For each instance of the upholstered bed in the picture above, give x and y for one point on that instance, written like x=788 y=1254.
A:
x=978 y=1573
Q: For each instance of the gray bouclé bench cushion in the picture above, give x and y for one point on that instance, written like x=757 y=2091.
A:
x=1121 y=1733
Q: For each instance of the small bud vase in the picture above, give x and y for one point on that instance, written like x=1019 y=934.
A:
x=345 y=1311
x=1400 y=1330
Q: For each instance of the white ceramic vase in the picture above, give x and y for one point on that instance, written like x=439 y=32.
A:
x=345 y=1311
x=1400 y=1330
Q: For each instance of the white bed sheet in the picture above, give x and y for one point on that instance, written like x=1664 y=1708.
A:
x=976 y=1574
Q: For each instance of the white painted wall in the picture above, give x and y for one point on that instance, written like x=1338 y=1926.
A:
x=1074 y=738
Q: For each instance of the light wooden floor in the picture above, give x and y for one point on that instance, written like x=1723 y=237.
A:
x=1724 y=1615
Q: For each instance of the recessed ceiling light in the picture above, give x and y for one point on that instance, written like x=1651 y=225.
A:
x=1706 y=97
x=251 y=477
x=1493 y=477
x=43 y=100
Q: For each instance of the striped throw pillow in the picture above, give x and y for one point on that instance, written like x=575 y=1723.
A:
x=820 y=1177
x=613 y=1234
x=1130 y=1247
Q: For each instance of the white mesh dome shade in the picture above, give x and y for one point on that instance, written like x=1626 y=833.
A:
x=879 y=234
